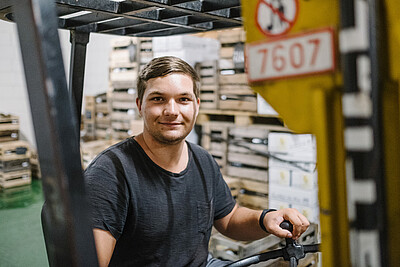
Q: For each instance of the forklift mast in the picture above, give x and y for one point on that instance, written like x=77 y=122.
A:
x=329 y=67
x=334 y=62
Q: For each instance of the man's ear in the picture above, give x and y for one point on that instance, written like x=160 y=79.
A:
x=139 y=105
x=198 y=106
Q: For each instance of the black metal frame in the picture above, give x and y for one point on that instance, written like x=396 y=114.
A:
x=56 y=112
x=142 y=17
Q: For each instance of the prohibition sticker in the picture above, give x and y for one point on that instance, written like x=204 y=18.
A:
x=276 y=17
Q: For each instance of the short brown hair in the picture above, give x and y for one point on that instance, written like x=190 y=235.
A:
x=161 y=66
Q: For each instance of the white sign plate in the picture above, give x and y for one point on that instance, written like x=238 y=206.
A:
x=302 y=54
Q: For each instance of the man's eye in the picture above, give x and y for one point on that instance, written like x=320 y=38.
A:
x=158 y=99
x=185 y=99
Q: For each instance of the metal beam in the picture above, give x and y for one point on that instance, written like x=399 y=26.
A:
x=71 y=238
x=79 y=41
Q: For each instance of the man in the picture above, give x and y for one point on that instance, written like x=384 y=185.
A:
x=155 y=196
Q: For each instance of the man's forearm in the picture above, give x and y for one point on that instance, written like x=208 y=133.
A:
x=243 y=224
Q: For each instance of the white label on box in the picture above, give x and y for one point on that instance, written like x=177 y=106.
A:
x=306 y=53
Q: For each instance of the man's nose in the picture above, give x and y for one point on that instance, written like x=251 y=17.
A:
x=171 y=108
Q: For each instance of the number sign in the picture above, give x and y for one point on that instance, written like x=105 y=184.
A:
x=303 y=54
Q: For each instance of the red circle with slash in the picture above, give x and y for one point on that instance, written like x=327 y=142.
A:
x=276 y=17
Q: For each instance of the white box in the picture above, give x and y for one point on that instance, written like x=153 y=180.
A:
x=299 y=196
x=311 y=213
x=263 y=107
x=296 y=147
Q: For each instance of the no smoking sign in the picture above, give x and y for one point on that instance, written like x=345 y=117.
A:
x=276 y=17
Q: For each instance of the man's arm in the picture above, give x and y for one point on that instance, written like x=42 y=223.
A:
x=243 y=223
x=105 y=244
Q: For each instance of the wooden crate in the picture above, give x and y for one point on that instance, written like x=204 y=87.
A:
x=245 y=158
x=15 y=178
x=237 y=97
x=15 y=165
x=209 y=97
x=14 y=150
x=124 y=51
x=124 y=76
x=253 y=194
x=9 y=127
x=35 y=165
x=146 y=50
x=232 y=36
x=91 y=149
x=214 y=139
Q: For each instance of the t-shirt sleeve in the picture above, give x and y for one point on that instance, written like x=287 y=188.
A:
x=108 y=196
x=224 y=202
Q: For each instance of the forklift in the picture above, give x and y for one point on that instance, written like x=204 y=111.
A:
x=329 y=68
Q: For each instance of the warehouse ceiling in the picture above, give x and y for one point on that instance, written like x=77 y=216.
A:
x=142 y=18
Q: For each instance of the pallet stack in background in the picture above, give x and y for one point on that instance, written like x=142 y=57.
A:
x=209 y=88
x=145 y=51
x=124 y=70
x=88 y=118
x=102 y=117
x=15 y=167
x=234 y=91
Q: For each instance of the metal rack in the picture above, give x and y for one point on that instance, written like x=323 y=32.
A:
x=56 y=108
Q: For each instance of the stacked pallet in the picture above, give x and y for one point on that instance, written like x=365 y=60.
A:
x=14 y=154
x=9 y=127
x=234 y=91
x=91 y=149
x=102 y=117
x=292 y=173
x=145 y=51
x=209 y=93
x=124 y=70
x=89 y=116
x=215 y=141
x=238 y=141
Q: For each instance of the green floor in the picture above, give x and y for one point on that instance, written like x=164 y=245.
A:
x=21 y=237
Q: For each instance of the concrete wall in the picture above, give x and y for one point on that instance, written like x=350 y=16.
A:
x=13 y=93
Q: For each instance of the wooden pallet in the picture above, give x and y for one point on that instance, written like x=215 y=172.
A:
x=124 y=76
x=91 y=149
x=35 y=165
x=209 y=97
x=214 y=139
x=124 y=94
x=232 y=36
x=124 y=51
x=146 y=50
x=253 y=194
x=241 y=118
x=243 y=159
x=14 y=150
x=15 y=178
x=15 y=165
x=9 y=127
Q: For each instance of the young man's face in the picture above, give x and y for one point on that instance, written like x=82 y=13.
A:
x=169 y=108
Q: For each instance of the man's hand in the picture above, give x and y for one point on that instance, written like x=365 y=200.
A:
x=273 y=219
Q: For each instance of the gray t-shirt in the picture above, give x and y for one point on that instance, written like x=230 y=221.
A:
x=158 y=218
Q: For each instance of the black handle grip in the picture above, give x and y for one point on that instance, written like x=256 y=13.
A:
x=287 y=226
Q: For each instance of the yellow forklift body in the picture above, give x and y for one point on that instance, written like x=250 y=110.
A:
x=309 y=101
